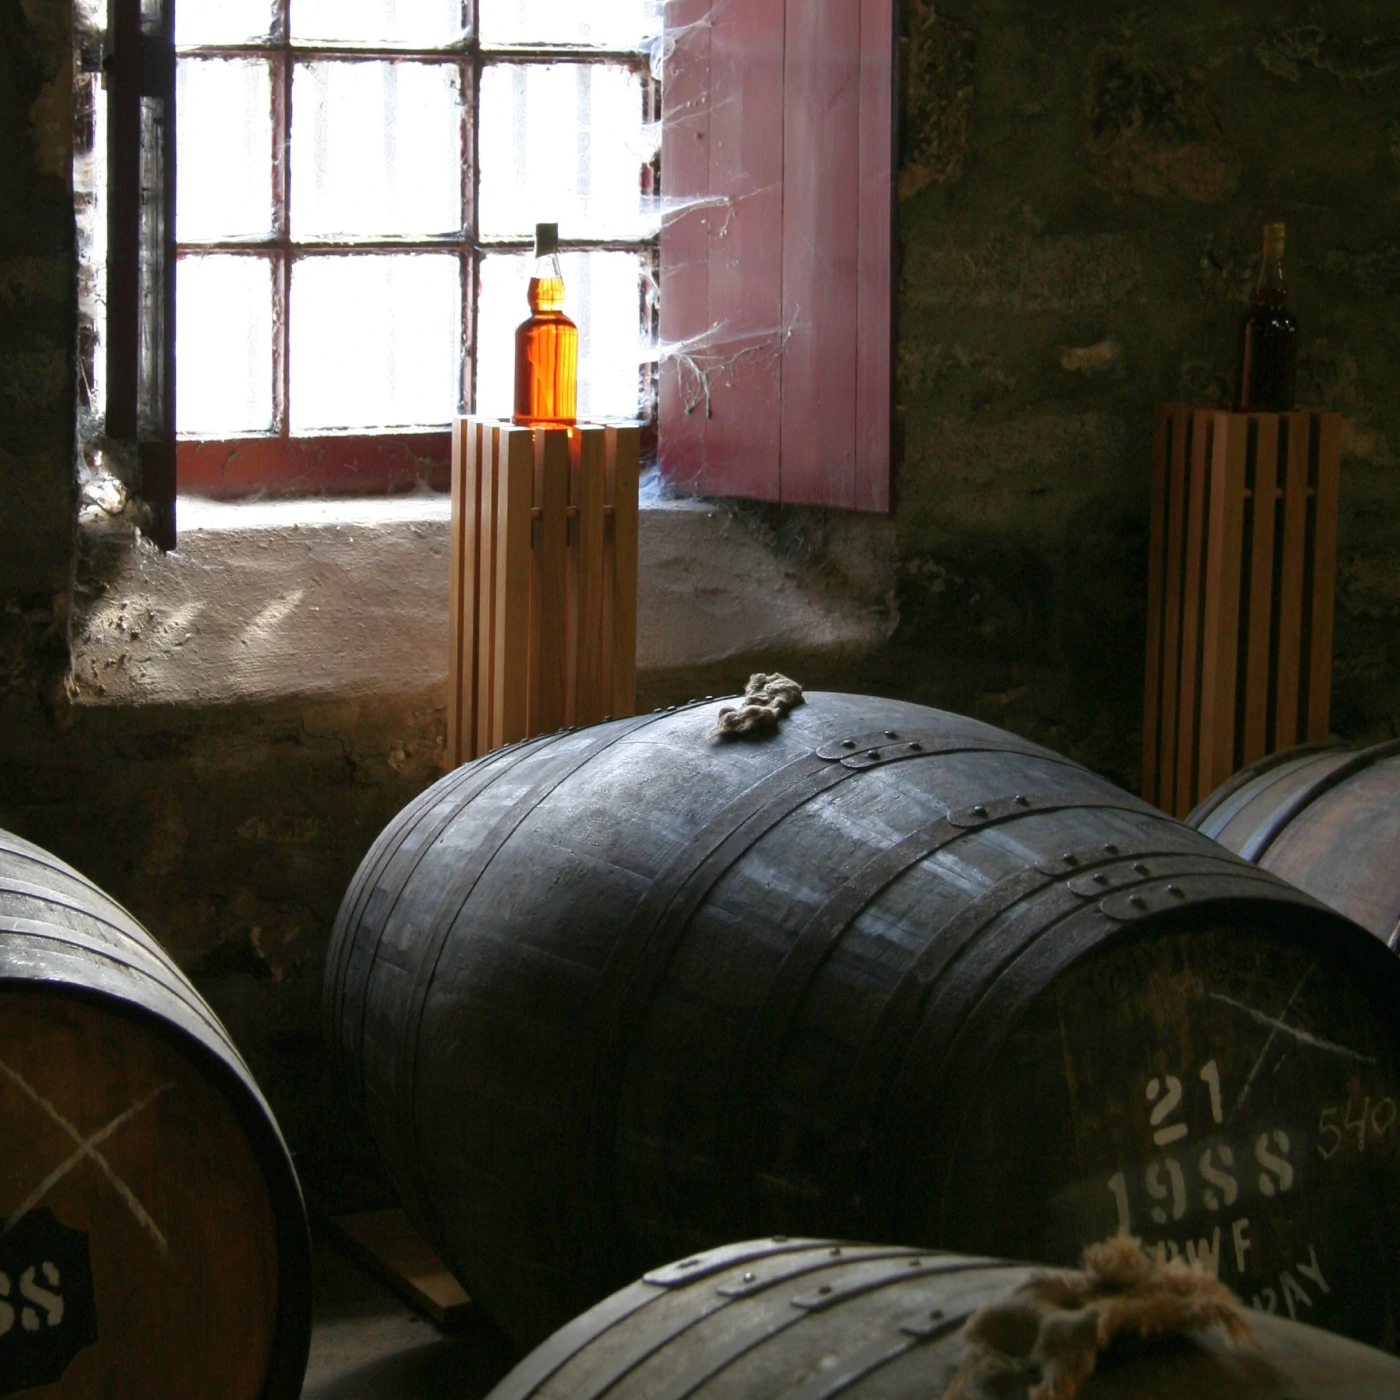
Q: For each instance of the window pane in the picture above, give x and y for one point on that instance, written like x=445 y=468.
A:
x=223 y=112
x=375 y=341
x=602 y=295
x=540 y=161
x=376 y=150
x=223 y=345
x=223 y=21
x=613 y=24
x=410 y=23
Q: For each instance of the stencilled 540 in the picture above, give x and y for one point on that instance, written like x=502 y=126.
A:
x=1212 y=1175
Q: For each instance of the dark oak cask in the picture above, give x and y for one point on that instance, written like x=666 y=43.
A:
x=153 y=1241
x=816 y=1319
x=1324 y=817
x=619 y=993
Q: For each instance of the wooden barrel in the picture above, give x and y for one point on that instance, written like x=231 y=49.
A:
x=816 y=1319
x=153 y=1240
x=1324 y=817
x=619 y=993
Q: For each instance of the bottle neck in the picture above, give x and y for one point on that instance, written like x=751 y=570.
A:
x=546 y=290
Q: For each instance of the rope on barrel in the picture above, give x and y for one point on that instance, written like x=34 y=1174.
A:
x=767 y=698
x=1048 y=1334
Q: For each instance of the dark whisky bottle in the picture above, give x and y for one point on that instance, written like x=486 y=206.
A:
x=546 y=345
x=1266 y=363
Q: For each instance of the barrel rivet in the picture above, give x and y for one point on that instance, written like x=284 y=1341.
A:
x=848 y=743
x=1177 y=891
x=607 y=719
x=1070 y=859
x=1022 y=801
x=1140 y=869
x=935 y=1314
x=748 y=1278
x=890 y=734
x=915 y=745
x=872 y=753
x=979 y=810
x=1111 y=849
x=1101 y=878
x=1138 y=902
x=709 y=697
x=658 y=710
x=669 y=708
x=916 y=1263
x=687 y=1263
x=825 y=1288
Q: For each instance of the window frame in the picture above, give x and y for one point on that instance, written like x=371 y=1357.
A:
x=360 y=461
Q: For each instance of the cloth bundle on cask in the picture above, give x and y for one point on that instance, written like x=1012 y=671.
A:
x=620 y=992
x=1324 y=817
x=815 y=1319
x=153 y=1241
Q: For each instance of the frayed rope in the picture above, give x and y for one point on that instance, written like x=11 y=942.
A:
x=1048 y=1334
x=767 y=698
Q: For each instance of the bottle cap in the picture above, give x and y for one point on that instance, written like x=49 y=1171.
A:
x=546 y=239
x=1273 y=240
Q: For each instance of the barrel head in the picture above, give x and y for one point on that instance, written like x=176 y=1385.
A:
x=1221 y=1092
x=138 y=1250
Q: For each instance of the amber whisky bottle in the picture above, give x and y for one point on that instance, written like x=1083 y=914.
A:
x=546 y=345
x=1267 y=358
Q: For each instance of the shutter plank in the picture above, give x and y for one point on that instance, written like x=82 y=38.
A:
x=821 y=192
x=684 y=312
x=745 y=275
x=874 y=290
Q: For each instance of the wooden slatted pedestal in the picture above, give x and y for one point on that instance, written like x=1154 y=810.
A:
x=544 y=581
x=1239 y=597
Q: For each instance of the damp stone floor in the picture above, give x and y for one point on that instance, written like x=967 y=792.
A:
x=368 y=1344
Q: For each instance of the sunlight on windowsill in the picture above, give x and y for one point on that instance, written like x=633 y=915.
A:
x=348 y=600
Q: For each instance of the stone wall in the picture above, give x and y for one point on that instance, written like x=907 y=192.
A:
x=1081 y=196
x=38 y=312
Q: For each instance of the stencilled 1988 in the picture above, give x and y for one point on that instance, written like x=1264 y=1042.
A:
x=1223 y=1177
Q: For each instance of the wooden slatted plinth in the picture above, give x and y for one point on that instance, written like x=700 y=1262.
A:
x=1239 y=597
x=544 y=581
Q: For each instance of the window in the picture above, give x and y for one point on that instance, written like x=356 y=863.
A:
x=358 y=185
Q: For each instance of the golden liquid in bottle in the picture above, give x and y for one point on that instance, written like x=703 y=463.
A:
x=546 y=359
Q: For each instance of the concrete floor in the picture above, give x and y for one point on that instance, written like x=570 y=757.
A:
x=367 y=1344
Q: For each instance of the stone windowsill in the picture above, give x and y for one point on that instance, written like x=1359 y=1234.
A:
x=348 y=599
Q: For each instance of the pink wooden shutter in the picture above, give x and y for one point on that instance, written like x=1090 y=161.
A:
x=776 y=304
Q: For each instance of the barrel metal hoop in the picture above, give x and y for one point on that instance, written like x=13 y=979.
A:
x=1197 y=815
x=1256 y=847
x=829 y=1296
x=885 y=746
x=771 y=1021
x=129 y=928
x=559 y=1349
x=348 y=935
x=441 y=921
x=683 y=1272
x=743 y=1342
x=913 y=1332
x=905 y=1019
x=157 y=971
x=963 y=1053
x=752 y=1283
x=803 y=1257
x=1215 y=823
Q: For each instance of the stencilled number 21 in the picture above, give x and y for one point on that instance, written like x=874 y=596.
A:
x=1166 y=1100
